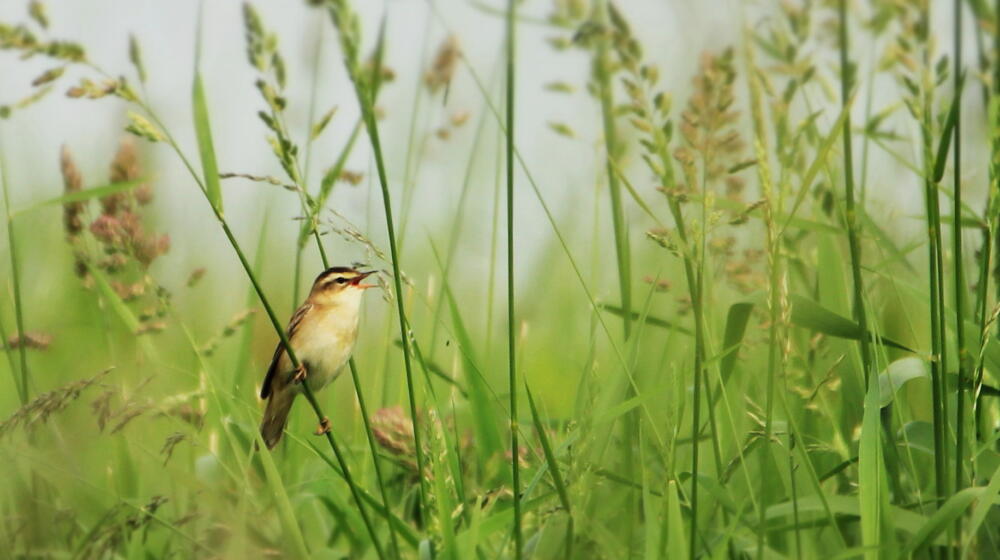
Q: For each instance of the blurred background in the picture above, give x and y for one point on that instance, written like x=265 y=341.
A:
x=434 y=141
x=444 y=157
x=430 y=140
x=673 y=35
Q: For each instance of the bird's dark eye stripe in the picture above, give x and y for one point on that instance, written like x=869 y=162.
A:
x=341 y=280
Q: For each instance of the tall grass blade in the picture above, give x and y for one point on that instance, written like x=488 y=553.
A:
x=736 y=326
x=870 y=467
x=981 y=510
x=950 y=123
x=550 y=458
x=348 y=27
x=677 y=546
x=944 y=518
x=511 y=324
x=21 y=381
x=81 y=196
x=289 y=524
x=206 y=147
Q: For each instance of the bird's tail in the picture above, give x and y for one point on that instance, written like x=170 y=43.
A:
x=276 y=416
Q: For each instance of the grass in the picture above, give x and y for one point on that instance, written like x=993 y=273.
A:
x=794 y=374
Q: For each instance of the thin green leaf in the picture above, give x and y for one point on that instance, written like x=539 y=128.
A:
x=677 y=546
x=206 y=148
x=650 y=319
x=870 y=466
x=82 y=195
x=736 y=326
x=982 y=509
x=819 y=161
x=946 y=133
x=945 y=517
x=808 y=314
x=286 y=515
x=114 y=300
x=550 y=457
x=896 y=375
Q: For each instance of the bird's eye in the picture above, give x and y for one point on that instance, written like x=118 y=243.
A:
x=341 y=280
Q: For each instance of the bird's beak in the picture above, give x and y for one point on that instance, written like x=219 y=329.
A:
x=356 y=281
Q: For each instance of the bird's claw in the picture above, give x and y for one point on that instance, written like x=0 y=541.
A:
x=324 y=427
x=300 y=374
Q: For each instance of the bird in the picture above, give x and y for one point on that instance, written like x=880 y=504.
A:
x=322 y=333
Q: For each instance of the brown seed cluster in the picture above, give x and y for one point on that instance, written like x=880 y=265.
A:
x=126 y=246
x=393 y=430
x=33 y=340
x=72 y=183
x=445 y=62
x=39 y=410
x=119 y=227
x=707 y=121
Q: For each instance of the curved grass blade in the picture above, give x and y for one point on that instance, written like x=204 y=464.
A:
x=979 y=513
x=650 y=319
x=403 y=529
x=80 y=196
x=870 y=469
x=897 y=374
x=289 y=524
x=806 y=314
x=21 y=382
x=550 y=457
x=206 y=147
x=736 y=326
x=818 y=162
x=946 y=133
x=945 y=517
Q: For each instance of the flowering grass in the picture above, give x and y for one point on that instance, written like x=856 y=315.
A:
x=725 y=346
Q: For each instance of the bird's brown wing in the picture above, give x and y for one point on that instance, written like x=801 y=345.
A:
x=293 y=326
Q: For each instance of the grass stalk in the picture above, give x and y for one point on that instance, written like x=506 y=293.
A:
x=990 y=235
x=957 y=259
x=369 y=433
x=602 y=72
x=314 y=211
x=846 y=85
x=311 y=116
x=935 y=276
x=553 y=465
x=775 y=305
x=511 y=324
x=352 y=365
x=21 y=382
x=346 y=22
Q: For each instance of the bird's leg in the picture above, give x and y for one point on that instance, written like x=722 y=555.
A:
x=300 y=374
x=324 y=427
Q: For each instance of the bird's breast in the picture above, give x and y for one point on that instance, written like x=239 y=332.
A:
x=325 y=345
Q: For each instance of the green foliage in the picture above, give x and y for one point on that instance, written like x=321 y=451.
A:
x=782 y=383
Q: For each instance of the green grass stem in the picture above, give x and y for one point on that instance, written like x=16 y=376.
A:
x=512 y=385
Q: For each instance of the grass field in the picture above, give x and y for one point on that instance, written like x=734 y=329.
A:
x=734 y=340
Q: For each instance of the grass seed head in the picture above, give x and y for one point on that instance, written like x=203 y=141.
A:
x=445 y=62
x=33 y=340
x=72 y=183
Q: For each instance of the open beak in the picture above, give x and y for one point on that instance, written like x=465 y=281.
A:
x=356 y=281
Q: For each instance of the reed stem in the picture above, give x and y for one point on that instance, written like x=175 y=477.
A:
x=511 y=324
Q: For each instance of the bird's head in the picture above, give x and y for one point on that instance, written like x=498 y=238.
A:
x=339 y=283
